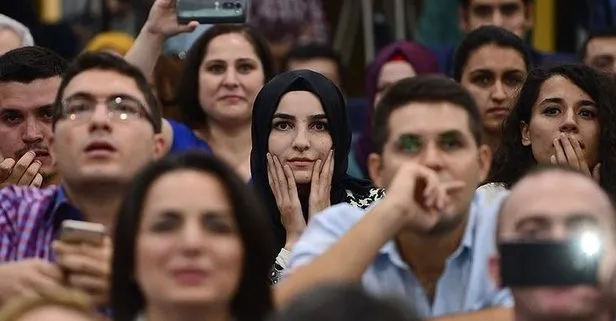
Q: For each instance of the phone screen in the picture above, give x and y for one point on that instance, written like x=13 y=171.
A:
x=550 y=263
x=212 y=11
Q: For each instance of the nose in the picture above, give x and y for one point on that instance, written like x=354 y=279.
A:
x=100 y=118
x=559 y=232
x=569 y=122
x=191 y=239
x=497 y=19
x=33 y=132
x=300 y=142
x=230 y=79
x=431 y=157
x=498 y=92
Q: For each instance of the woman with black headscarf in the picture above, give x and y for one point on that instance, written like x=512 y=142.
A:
x=300 y=144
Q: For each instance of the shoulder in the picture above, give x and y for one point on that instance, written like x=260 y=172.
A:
x=183 y=138
x=14 y=198
x=364 y=200
x=26 y=194
x=336 y=219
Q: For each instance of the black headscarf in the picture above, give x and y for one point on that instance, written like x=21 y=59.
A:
x=334 y=106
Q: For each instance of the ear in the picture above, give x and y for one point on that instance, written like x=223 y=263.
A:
x=52 y=149
x=530 y=15
x=160 y=146
x=494 y=269
x=525 y=134
x=375 y=166
x=485 y=161
x=463 y=19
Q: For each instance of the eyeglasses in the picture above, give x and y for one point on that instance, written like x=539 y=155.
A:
x=81 y=107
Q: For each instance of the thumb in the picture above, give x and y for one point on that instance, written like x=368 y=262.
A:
x=189 y=27
x=596 y=173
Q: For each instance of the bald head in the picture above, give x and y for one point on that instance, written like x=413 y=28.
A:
x=550 y=203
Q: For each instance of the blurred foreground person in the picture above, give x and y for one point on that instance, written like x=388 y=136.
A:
x=344 y=302
x=192 y=243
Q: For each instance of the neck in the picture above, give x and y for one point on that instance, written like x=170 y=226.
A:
x=429 y=252
x=493 y=140
x=232 y=144
x=184 y=313
x=99 y=203
x=52 y=179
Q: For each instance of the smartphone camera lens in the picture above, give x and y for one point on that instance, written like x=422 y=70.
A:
x=228 y=5
x=238 y=5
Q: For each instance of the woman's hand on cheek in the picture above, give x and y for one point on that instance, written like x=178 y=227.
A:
x=320 y=186
x=284 y=188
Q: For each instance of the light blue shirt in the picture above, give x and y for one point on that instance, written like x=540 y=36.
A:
x=465 y=284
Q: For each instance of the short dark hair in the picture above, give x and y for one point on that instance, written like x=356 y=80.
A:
x=423 y=89
x=106 y=61
x=609 y=32
x=27 y=64
x=483 y=36
x=253 y=299
x=344 y=302
x=466 y=3
x=187 y=96
x=303 y=52
x=512 y=160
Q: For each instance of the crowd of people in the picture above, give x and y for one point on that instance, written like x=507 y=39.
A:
x=265 y=196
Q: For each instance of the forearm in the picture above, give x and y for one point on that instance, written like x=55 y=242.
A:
x=495 y=314
x=146 y=50
x=348 y=258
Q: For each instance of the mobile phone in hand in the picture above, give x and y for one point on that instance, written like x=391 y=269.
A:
x=76 y=232
x=212 y=11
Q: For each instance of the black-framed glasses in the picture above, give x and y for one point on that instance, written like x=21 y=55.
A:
x=81 y=107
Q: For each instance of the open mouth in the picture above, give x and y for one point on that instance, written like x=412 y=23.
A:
x=100 y=147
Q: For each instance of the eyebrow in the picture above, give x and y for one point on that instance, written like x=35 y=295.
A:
x=452 y=134
x=558 y=100
x=218 y=60
x=291 y=117
x=17 y=110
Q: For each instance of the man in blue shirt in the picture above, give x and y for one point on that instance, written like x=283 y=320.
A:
x=430 y=238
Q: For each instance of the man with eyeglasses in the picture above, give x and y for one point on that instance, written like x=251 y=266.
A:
x=106 y=127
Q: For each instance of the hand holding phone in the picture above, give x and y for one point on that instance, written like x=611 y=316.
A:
x=163 y=21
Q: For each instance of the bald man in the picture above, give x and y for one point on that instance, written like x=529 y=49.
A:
x=553 y=203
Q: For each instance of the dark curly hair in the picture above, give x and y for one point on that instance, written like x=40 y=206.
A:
x=513 y=160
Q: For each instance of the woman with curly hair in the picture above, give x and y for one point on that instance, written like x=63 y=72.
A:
x=565 y=115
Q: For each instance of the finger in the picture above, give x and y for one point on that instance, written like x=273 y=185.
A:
x=453 y=186
x=88 y=284
x=62 y=248
x=290 y=181
x=189 y=27
x=553 y=160
x=6 y=167
x=332 y=162
x=30 y=173
x=100 y=252
x=577 y=149
x=81 y=264
x=41 y=283
x=37 y=181
x=561 y=159
x=272 y=177
x=572 y=158
x=316 y=174
x=283 y=182
x=50 y=270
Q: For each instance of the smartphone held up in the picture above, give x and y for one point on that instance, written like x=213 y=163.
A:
x=551 y=263
x=212 y=11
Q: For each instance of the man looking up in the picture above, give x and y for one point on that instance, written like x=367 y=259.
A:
x=106 y=127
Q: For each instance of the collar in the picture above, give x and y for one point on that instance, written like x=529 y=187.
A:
x=61 y=209
x=390 y=250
